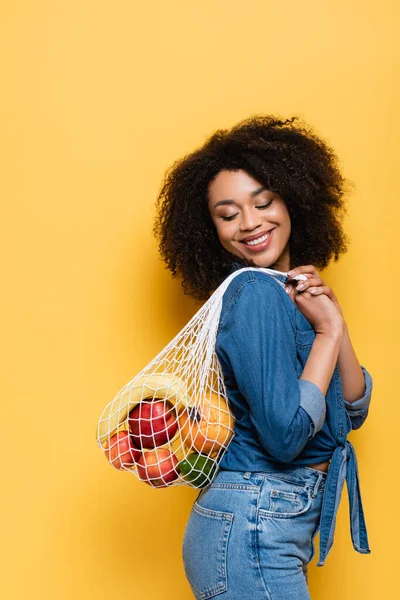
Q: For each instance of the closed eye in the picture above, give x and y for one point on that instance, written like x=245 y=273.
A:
x=262 y=207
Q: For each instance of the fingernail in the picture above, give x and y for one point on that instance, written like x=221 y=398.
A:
x=287 y=289
x=290 y=273
x=300 y=286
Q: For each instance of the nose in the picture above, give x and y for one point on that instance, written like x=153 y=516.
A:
x=249 y=220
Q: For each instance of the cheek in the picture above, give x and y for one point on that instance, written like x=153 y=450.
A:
x=224 y=230
x=283 y=218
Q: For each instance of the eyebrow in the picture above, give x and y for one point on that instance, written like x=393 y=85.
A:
x=252 y=195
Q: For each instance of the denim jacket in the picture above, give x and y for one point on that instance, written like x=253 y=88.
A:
x=263 y=342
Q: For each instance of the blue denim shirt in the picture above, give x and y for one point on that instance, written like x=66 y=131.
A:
x=263 y=342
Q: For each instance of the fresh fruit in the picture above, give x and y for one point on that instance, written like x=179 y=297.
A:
x=121 y=451
x=197 y=469
x=160 y=385
x=158 y=467
x=211 y=429
x=153 y=422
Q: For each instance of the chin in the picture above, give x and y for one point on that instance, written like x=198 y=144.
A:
x=265 y=264
x=260 y=261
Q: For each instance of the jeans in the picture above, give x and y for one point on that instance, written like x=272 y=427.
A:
x=250 y=535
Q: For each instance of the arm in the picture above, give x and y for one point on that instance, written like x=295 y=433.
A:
x=257 y=340
x=356 y=383
x=322 y=360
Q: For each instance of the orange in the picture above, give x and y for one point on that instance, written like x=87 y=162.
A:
x=214 y=427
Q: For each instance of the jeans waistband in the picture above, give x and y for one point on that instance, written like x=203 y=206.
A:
x=296 y=475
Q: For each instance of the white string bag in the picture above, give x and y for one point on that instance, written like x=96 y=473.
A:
x=171 y=424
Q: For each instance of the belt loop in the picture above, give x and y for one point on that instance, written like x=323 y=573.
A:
x=247 y=475
x=317 y=484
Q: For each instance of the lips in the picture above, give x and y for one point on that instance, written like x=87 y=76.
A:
x=256 y=236
x=256 y=247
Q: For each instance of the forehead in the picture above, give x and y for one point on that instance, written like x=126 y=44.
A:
x=231 y=184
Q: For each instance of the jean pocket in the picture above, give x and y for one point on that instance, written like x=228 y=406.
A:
x=204 y=551
x=286 y=499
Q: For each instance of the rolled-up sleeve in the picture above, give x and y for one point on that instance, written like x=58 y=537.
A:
x=257 y=339
x=313 y=402
x=358 y=410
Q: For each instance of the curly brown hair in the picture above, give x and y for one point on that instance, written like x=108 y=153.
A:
x=284 y=155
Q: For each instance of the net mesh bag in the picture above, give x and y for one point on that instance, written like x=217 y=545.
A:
x=171 y=424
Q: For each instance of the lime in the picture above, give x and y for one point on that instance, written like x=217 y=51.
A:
x=197 y=469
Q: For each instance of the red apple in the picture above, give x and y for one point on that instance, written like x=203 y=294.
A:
x=153 y=422
x=158 y=467
x=121 y=450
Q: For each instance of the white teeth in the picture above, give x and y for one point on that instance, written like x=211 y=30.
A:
x=258 y=240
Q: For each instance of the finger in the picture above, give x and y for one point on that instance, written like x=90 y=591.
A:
x=307 y=275
x=313 y=281
x=321 y=289
x=303 y=269
x=307 y=295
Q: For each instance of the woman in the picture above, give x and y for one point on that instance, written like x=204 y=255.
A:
x=268 y=193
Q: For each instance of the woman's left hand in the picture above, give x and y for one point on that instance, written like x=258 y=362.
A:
x=314 y=284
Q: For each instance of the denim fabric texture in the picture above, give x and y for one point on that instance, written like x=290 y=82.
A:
x=251 y=535
x=282 y=424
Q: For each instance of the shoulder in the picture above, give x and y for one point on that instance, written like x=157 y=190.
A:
x=250 y=279
x=253 y=290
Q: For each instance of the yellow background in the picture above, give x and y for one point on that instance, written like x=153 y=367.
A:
x=98 y=99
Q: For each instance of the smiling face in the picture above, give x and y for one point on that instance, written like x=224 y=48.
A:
x=242 y=209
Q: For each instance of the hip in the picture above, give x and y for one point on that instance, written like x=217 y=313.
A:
x=324 y=466
x=248 y=529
